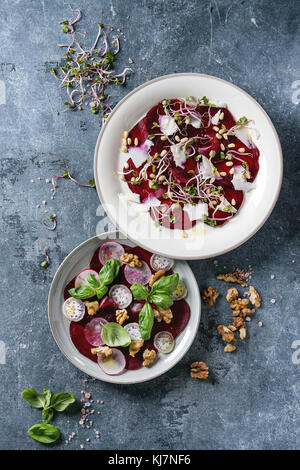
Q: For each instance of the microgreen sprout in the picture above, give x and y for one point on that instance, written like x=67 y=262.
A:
x=86 y=73
x=243 y=120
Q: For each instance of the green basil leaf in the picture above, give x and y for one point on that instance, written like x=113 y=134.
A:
x=139 y=292
x=166 y=284
x=92 y=281
x=115 y=335
x=146 y=320
x=109 y=271
x=82 y=292
x=61 y=401
x=101 y=291
x=33 y=397
x=161 y=300
x=47 y=415
x=47 y=395
x=44 y=433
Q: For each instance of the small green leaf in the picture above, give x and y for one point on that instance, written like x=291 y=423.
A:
x=92 y=281
x=61 y=401
x=101 y=291
x=115 y=335
x=47 y=395
x=146 y=320
x=44 y=433
x=82 y=292
x=166 y=284
x=139 y=292
x=34 y=398
x=161 y=300
x=109 y=271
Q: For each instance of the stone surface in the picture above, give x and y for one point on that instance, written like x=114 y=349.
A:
x=252 y=397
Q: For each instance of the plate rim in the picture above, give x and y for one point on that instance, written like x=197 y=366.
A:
x=277 y=141
x=117 y=234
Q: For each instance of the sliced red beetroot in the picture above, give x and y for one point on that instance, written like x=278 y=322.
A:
x=110 y=250
x=137 y=275
x=107 y=302
x=121 y=295
x=81 y=279
x=114 y=364
x=92 y=331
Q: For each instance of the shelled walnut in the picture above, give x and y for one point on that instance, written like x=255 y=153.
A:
x=238 y=322
x=199 y=370
x=229 y=348
x=230 y=277
x=148 y=356
x=131 y=259
x=232 y=294
x=121 y=316
x=102 y=351
x=134 y=347
x=226 y=333
x=164 y=314
x=210 y=295
x=255 y=298
x=92 y=307
x=240 y=308
x=156 y=276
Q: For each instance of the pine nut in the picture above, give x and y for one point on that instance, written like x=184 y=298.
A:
x=163 y=137
x=223 y=173
x=233 y=203
x=124 y=149
x=152 y=176
x=125 y=134
x=221 y=117
x=184 y=140
x=216 y=129
x=163 y=153
x=161 y=178
x=229 y=163
x=231 y=171
x=124 y=142
x=126 y=165
x=136 y=141
x=212 y=180
x=123 y=178
x=218 y=136
x=225 y=136
x=222 y=146
x=129 y=141
x=231 y=146
x=241 y=149
x=221 y=131
x=177 y=138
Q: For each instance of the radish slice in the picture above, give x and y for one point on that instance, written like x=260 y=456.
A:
x=180 y=292
x=110 y=250
x=137 y=275
x=164 y=342
x=92 y=331
x=114 y=364
x=81 y=279
x=121 y=295
x=133 y=330
x=158 y=262
x=73 y=309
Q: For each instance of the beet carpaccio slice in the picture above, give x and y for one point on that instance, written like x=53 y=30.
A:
x=195 y=154
x=86 y=333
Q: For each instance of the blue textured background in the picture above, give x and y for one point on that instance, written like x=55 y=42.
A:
x=252 y=397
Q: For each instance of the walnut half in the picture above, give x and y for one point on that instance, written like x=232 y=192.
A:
x=255 y=298
x=102 y=351
x=131 y=259
x=156 y=276
x=134 y=347
x=199 y=370
x=92 y=307
x=121 y=316
x=210 y=295
x=232 y=294
x=240 y=308
x=148 y=356
x=226 y=333
x=230 y=277
x=164 y=314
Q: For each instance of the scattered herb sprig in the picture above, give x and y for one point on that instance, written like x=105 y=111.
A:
x=107 y=275
x=159 y=295
x=86 y=73
x=45 y=432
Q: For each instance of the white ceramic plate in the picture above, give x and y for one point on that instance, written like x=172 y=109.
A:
x=207 y=241
x=79 y=259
